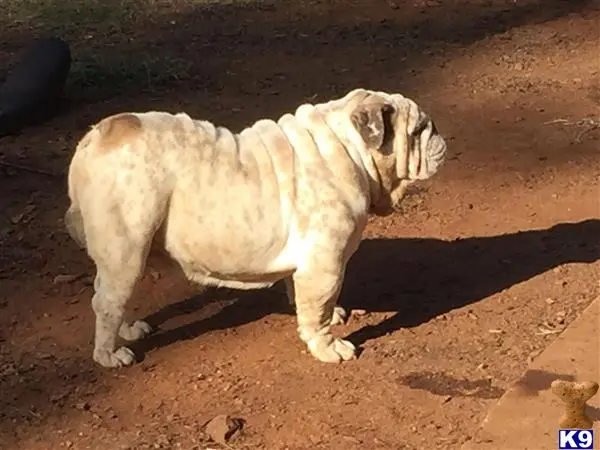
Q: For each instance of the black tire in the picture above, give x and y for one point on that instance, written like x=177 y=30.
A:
x=33 y=90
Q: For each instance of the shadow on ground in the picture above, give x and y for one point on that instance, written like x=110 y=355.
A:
x=241 y=307
x=423 y=278
x=418 y=279
x=444 y=384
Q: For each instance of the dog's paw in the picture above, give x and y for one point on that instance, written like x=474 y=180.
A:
x=120 y=358
x=330 y=349
x=137 y=330
x=340 y=316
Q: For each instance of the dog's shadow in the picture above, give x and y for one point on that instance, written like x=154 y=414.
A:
x=418 y=279
x=232 y=307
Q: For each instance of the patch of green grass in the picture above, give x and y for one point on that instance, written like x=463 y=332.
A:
x=95 y=29
x=98 y=14
x=99 y=76
x=99 y=18
x=66 y=15
x=98 y=32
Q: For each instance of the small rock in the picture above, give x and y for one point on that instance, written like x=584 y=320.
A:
x=550 y=301
x=359 y=312
x=352 y=439
x=155 y=275
x=56 y=398
x=518 y=66
x=482 y=366
x=222 y=428
x=83 y=406
x=533 y=355
x=162 y=441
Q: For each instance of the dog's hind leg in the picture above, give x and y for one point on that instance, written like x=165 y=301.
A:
x=128 y=331
x=114 y=285
x=119 y=252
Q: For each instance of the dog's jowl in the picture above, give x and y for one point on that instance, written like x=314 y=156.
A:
x=282 y=200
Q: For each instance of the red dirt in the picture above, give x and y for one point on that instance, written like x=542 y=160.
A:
x=456 y=286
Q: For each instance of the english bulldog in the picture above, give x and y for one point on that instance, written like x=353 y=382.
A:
x=280 y=200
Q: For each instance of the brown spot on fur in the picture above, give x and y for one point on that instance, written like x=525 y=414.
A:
x=116 y=130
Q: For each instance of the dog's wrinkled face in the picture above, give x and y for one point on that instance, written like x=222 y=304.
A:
x=402 y=140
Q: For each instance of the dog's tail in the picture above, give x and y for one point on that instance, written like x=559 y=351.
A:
x=77 y=180
x=74 y=225
x=73 y=218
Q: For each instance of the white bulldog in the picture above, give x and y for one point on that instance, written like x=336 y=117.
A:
x=280 y=200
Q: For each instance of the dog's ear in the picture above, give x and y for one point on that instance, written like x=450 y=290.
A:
x=373 y=121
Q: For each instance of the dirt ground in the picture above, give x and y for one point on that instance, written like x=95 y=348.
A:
x=462 y=288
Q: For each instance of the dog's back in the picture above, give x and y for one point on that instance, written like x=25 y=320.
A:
x=203 y=192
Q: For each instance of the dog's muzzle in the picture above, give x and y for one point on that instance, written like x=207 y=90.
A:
x=435 y=155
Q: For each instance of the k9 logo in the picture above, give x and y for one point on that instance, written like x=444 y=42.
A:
x=575 y=439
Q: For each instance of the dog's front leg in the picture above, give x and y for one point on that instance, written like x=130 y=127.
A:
x=315 y=293
x=339 y=316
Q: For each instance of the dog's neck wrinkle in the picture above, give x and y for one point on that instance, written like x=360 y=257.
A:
x=331 y=143
x=376 y=186
x=323 y=156
x=366 y=168
x=357 y=151
x=244 y=152
x=372 y=175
